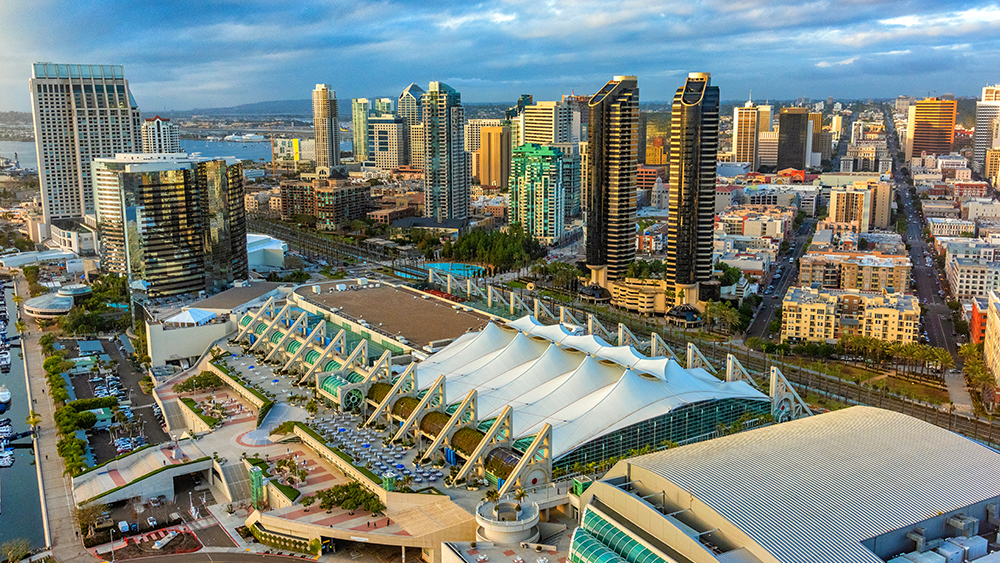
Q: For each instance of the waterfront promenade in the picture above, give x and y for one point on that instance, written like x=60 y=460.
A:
x=57 y=496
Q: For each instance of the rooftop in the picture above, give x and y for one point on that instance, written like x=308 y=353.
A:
x=395 y=310
x=804 y=503
x=232 y=298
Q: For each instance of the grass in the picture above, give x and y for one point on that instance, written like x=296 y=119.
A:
x=919 y=392
x=115 y=459
x=193 y=405
x=516 y=284
x=557 y=296
x=825 y=402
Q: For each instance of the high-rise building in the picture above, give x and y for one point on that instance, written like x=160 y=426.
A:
x=359 y=120
x=987 y=115
x=160 y=136
x=571 y=176
x=816 y=124
x=472 y=131
x=80 y=112
x=382 y=106
x=931 y=127
x=409 y=108
x=173 y=224
x=417 y=146
x=537 y=194
x=837 y=126
x=746 y=132
x=326 y=126
x=446 y=164
x=585 y=174
x=386 y=147
x=546 y=123
x=494 y=156
x=612 y=161
x=694 y=142
x=765 y=115
x=767 y=148
x=794 y=139
x=903 y=103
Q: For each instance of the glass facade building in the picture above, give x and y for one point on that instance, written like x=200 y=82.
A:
x=613 y=147
x=793 y=138
x=694 y=145
x=173 y=225
x=446 y=164
x=537 y=192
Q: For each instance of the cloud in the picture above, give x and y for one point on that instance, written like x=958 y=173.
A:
x=204 y=53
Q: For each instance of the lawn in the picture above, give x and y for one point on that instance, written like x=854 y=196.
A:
x=825 y=402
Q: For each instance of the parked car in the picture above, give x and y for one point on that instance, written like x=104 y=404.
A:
x=151 y=521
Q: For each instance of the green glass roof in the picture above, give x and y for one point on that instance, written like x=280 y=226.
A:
x=293 y=346
x=332 y=365
x=312 y=356
x=276 y=336
x=246 y=319
x=331 y=383
x=260 y=328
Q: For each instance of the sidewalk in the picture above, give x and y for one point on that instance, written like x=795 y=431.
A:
x=59 y=504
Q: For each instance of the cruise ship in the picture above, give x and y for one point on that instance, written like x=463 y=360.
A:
x=247 y=138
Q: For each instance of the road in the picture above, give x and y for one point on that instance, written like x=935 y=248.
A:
x=937 y=321
x=789 y=278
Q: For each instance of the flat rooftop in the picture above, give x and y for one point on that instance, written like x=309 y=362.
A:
x=396 y=310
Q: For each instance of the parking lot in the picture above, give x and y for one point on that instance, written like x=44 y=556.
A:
x=138 y=419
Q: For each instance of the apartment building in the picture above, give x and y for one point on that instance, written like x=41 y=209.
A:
x=864 y=271
x=824 y=315
x=971 y=278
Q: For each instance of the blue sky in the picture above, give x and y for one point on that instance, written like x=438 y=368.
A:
x=208 y=53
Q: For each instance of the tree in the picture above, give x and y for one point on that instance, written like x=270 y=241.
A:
x=15 y=550
x=88 y=515
x=493 y=497
x=519 y=495
x=33 y=420
x=307 y=501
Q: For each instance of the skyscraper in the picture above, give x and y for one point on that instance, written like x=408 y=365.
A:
x=381 y=106
x=931 y=127
x=816 y=126
x=837 y=126
x=160 y=136
x=80 y=112
x=987 y=114
x=794 y=139
x=746 y=131
x=494 y=156
x=446 y=164
x=694 y=144
x=612 y=160
x=765 y=115
x=546 y=123
x=173 y=224
x=537 y=193
x=473 y=127
x=385 y=141
x=359 y=120
x=409 y=108
x=326 y=126
x=571 y=176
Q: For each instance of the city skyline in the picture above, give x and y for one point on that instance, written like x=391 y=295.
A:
x=494 y=53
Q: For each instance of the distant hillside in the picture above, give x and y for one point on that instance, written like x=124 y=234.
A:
x=294 y=108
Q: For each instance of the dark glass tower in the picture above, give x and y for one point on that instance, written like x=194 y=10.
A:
x=793 y=141
x=613 y=137
x=694 y=145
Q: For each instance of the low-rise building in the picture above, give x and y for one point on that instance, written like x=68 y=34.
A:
x=950 y=227
x=940 y=208
x=750 y=263
x=979 y=209
x=970 y=278
x=865 y=271
x=978 y=318
x=825 y=315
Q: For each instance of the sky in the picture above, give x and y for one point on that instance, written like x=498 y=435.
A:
x=181 y=54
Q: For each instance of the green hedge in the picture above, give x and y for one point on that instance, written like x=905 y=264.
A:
x=289 y=491
x=264 y=409
x=284 y=542
x=211 y=421
x=81 y=405
x=147 y=476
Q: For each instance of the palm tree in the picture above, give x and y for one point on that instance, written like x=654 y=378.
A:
x=519 y=495
x=18 y=299
x=944 y=360
x=493 y=497
x=896 y=352
x=33 y=420
x=21 y=327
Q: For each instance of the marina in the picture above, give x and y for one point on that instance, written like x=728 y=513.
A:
x=20 y=506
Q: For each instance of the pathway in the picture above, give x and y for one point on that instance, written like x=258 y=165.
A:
x=59 y=503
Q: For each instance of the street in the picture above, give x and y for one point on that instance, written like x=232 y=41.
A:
x=789 y=277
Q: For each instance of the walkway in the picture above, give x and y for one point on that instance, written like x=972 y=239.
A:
x=59 y=504
x=958 y=392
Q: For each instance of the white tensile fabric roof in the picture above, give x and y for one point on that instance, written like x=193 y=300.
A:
x=192 y=316
x=580 y=384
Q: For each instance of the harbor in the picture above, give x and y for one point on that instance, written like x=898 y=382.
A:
x=20 y=505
